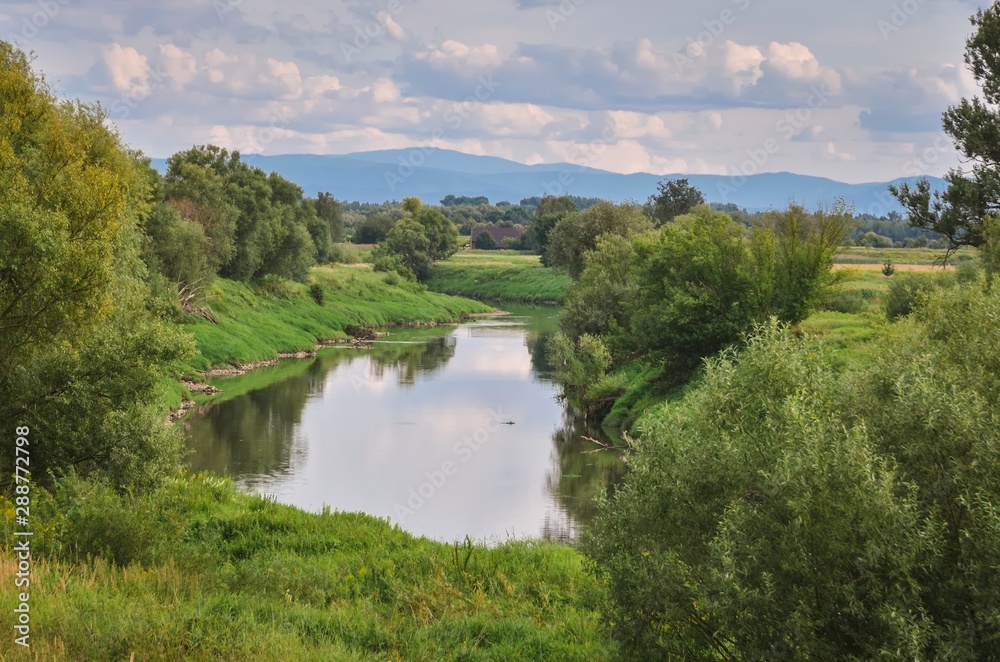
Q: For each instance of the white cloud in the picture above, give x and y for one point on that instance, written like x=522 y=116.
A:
x=128 y=68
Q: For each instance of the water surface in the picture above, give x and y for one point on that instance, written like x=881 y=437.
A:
x=447 y=432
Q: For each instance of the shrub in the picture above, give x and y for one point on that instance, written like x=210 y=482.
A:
x=316 y=292
x=907 y=292
x=344 y=254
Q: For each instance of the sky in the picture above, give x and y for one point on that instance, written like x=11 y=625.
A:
x=852 y=90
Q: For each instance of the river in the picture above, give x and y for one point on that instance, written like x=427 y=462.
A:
x=446 y=431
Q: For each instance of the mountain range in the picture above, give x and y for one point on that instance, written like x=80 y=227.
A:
x=432 y=173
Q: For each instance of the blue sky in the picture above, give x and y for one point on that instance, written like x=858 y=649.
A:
x=851 y=90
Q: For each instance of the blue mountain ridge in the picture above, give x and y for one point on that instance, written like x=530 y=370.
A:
x=432 y=173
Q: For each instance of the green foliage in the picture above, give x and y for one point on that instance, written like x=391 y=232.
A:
x=329 y=210
x=802 y=247
x=344 y=254
x=888 y=269
x=595 y=303
x=70 y=199
x=676 y=197
x=698 y=288
x=577 y=233
x=270 y=226
x=484 y=242
x=442 y=237
x=909 y=291
x=81 y=358
x=373 y=229
x=753 y=525
x=408 y=240
x=578 y=364
x=785 y=508
x=197 y=571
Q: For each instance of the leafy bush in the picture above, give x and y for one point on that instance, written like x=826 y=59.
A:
x=784 y=509
x=316 y=292
x=344 y=254
x=909 y=291
x=845 y=302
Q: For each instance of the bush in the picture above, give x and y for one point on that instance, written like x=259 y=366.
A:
x=846 y=302
x=907 y=292
x=344 y=254
x=316 y=292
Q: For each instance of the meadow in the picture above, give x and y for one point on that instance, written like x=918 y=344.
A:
x=499 y=276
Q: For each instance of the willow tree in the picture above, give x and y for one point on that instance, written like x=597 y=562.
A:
x=81 y=358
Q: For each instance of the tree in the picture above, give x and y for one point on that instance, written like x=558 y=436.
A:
x=331 y=211
x=551 y=204
x=373 y=229
x=272 y=219
x=408 y=240
x=82 y=360
x=961 y=213
x=676 y=197
x=699 y=286
x=578 y=232
x=484 y=242
x=442 y=237
x=71 y=199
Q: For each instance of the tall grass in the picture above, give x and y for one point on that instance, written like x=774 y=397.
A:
x=499 y=276
x=197 y=571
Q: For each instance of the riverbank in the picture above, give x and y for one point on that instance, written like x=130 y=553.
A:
x=499 y=276
x=197 y=571
x=257 y=324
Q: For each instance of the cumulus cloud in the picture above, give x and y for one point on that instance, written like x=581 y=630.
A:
x=129 y=70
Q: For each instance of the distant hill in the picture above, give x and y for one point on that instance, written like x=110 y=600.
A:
x=431 y=174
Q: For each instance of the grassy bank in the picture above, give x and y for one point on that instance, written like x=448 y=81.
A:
x=197 y=571
x=499 y=276
x=256 y=323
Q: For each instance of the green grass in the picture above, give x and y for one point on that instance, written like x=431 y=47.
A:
x=499 y=276
x=197 y=571
x=256 y=323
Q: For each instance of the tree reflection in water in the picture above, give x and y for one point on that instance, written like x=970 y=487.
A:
x=256 y=434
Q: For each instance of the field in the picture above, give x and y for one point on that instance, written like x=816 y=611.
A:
x=499 y=276
x=901 y=257
x=197 y=571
